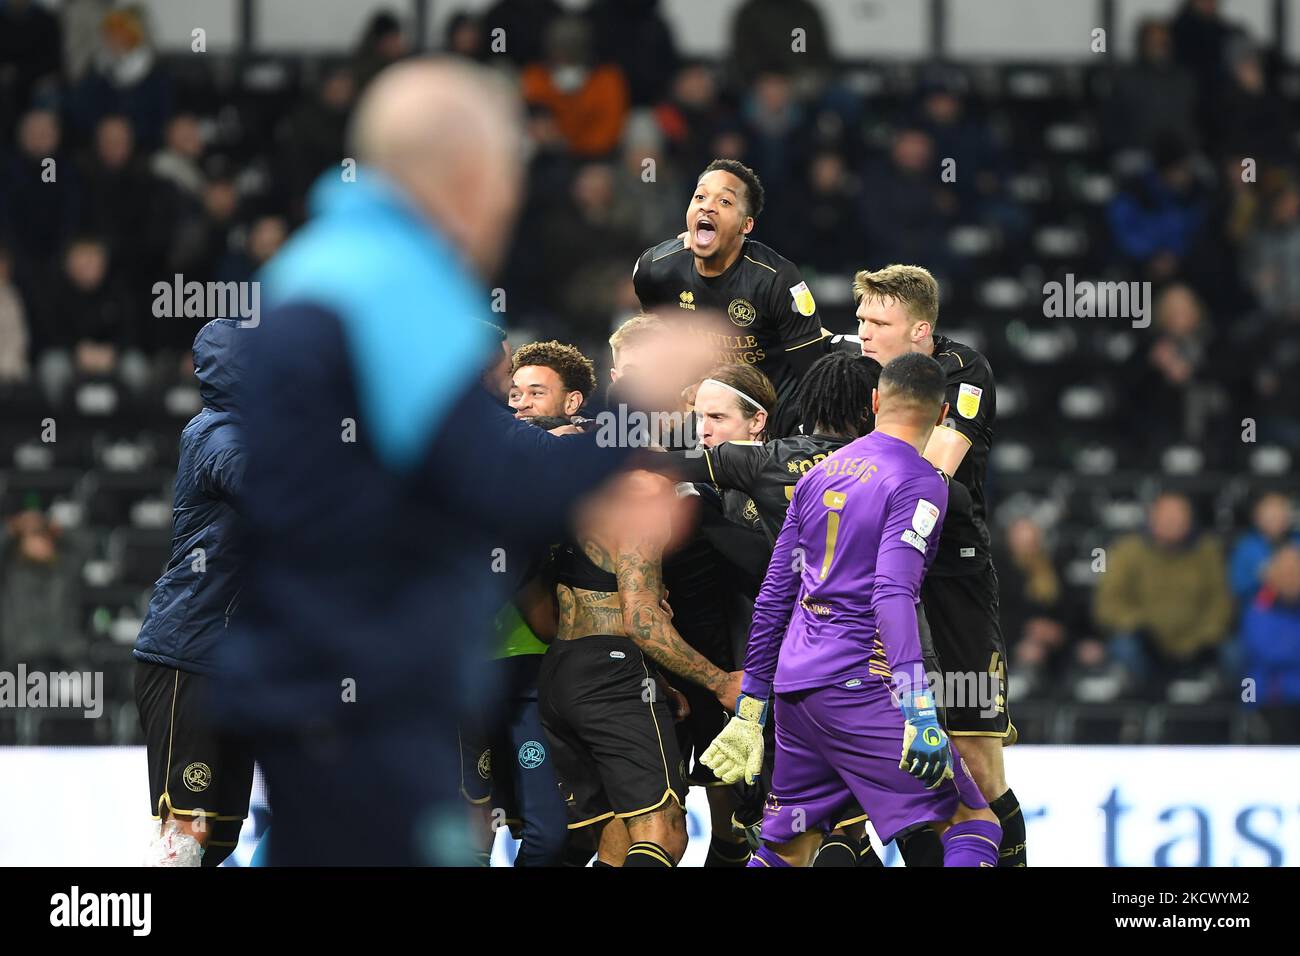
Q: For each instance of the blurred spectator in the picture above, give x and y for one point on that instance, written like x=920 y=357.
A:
x=1169 y=379
x=465 y=36
x=763 y=39
x=1152 y=96
x=31 y=45
x=126 y=79
x=692 y=115
x=778 y=139
x=1270 y=260
x=1270 y=631
x=178 y=161
x=40 y=211
x=525 y=23
x=310 y=140
x=38 y=595
x=13 y=326
x=588 y=102
x=1275 y=388
x=1031 y=605
x=1201 y=37
x=826 y=207
x=1156 y=217
x=1163 y=600
x=265 y=237
x=634 y=35
x=645 y=206
x=906 y=210
x=89 y=322
x=119 y=201
x=586 y=250
x=383 y=43
x=1273 y=528
x=1249 y=119
x=81 y=20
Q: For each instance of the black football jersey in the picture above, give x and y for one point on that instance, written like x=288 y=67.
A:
x=773 y=319
x=972 y=406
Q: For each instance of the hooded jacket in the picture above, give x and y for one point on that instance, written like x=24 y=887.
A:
x=195 y=597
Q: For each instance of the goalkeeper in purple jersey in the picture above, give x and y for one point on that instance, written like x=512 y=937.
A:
x=835 y=642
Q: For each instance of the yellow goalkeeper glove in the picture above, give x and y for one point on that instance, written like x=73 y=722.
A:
x=737 y=752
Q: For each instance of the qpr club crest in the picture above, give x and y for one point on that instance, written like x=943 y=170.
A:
x=741 y=312
x=531 y=755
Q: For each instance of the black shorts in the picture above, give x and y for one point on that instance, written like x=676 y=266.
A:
x=705 y=721
x=611 y=730
x=966 y=639
x=194 y=772
x=475 y=762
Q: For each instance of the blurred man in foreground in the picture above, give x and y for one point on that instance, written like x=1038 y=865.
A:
x=384 y=481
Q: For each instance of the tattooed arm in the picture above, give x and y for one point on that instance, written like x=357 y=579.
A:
x=640 y=588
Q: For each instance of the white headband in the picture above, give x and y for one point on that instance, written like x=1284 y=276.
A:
x=732 y=388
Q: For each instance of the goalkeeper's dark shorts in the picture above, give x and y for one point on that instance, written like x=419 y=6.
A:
x=610 y=728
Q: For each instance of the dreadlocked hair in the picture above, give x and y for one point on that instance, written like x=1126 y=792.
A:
x=835 y=393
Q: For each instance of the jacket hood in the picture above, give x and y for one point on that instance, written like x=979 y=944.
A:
x=220 y=351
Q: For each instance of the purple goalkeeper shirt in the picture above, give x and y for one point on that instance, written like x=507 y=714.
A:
x=839 y=599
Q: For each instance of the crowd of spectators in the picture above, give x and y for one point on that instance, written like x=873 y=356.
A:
x=121 y=167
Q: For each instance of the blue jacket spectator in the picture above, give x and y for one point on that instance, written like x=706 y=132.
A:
x=1270 y=632
x=1272 y=519
x=194 y=599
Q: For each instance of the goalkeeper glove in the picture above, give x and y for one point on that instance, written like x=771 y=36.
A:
x=737 y=752
x=926 y=753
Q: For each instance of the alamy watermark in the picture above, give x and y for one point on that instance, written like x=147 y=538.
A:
x=70 y=689
x=638 y=429
x=1086 y=299
x=209 y=300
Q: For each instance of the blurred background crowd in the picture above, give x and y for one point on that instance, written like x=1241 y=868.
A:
x=1142 y=483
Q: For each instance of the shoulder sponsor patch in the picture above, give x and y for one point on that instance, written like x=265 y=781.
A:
x=924 y=517
x=968 y=400
x=915 y=540
x=803 y=299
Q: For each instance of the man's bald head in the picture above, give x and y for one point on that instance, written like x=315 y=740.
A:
x=449 y=133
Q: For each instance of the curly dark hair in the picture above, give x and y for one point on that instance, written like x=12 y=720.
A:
x=576 y=372
x=836 y=393
x=753 y=188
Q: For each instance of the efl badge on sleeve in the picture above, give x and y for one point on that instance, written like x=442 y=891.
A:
x=968 y=400
x=925 y=517
x=803 y=299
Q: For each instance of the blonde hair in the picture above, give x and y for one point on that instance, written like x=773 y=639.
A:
x=912 y=287
x=750 y=381
x=637 y=327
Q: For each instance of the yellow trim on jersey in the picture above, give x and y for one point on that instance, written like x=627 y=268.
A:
x=954 y=355
x=764 y=265
x=968 y=441
x=708 y=461
x=743 y=441
x=673 y=253
x=809 y=342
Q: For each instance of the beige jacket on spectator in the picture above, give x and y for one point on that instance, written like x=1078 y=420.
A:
x=1179 y=597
